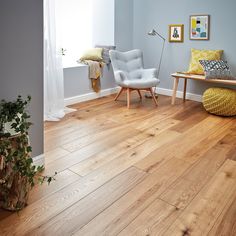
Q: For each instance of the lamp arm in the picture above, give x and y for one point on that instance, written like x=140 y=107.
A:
x=160 y=36
x=162 y=51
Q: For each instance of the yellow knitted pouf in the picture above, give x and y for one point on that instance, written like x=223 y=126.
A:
x=220 y=101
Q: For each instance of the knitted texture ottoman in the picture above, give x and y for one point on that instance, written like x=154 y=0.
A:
x=220 y=101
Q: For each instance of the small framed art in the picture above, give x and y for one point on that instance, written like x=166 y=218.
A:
x=199 y=27
x=176 y=33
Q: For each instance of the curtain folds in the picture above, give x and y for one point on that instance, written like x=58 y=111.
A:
x=54 y=108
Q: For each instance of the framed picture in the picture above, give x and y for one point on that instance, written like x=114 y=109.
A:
x=199 y=27
x=176 y=33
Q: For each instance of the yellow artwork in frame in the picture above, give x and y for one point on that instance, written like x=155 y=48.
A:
x=176 y=33
x=199 y=27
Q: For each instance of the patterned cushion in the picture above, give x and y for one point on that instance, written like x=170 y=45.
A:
x=197 y=55
x=105 y=54
x=216 y=69
x=209 y=65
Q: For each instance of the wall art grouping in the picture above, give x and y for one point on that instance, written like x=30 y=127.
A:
x=199 y=29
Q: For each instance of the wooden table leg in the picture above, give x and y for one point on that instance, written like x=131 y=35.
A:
x=185 y=89
x=175 y=87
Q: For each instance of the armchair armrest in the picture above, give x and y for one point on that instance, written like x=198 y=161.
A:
x=120 y=76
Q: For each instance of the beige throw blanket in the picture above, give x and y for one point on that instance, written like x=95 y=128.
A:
x=95 y=73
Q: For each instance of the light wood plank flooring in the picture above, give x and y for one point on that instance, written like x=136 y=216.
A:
x=168 y=171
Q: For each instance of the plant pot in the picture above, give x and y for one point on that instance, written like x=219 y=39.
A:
x=14 y=188
x=14 y=194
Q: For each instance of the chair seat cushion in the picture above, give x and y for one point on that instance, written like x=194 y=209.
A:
x=141 y=83
x=220 y=101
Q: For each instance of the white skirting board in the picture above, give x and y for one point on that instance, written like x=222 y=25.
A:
x=106 y=92
x=179 y=94
x=90 y=96
x=39 y=160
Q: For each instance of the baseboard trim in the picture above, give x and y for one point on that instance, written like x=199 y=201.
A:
x=90 y=96
x=179 y=94
x=39 y=160
x=106 y=92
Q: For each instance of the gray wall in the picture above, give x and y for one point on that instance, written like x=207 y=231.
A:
x=77 y=82
x=21 y=59
x=159 y=14
x=124 y=24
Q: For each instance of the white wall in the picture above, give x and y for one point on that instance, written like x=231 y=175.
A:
x=103 y=22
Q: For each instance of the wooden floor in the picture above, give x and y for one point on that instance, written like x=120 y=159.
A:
x=168 y=171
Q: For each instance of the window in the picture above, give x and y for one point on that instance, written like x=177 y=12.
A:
x=74 y=27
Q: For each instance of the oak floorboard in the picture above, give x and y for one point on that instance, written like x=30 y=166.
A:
x=62 y=180
x=135 y=117
x=193 y=109
x=190 y=121
x=100 y=159
x=201 y=214
x=92 y=138
x=55 y=154
x=226 y=223
x=79 y=214
x=90 y=149
x=44 y=209
x=120 y=214
x=124 y=148
x=93 y=103
x=132 y=156
x=208 y=141
x=58 y=140
x=166 y=170
x=180 y=148
x=184 y=189
x=153 y=220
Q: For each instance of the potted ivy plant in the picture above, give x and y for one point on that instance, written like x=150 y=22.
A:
x=17 y=172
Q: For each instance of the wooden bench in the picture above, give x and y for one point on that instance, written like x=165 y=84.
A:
x=186 y=77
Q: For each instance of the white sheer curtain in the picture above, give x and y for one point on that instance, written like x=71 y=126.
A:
x=53 y=71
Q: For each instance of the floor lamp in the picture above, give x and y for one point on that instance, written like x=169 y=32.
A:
x=155 y=33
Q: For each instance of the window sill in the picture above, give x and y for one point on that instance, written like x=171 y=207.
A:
x=72 y=65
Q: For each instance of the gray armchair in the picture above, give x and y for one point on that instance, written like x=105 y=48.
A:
x=130 y=74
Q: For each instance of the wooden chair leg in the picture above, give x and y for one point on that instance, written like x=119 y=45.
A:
x=118 y=94
x=153 y=96
x=128 y=97
x=139 y=93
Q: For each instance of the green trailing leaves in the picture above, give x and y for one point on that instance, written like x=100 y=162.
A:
x=15 y=151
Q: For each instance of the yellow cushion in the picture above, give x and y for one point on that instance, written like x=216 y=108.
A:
x=94 y=54
x=196 y=55
x=220 y=101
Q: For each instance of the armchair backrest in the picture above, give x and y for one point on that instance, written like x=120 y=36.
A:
x=127 y=62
